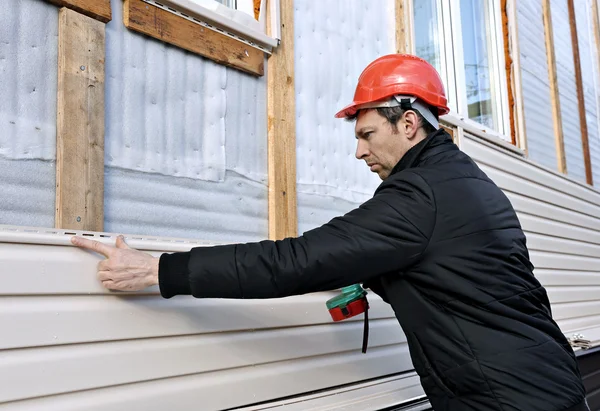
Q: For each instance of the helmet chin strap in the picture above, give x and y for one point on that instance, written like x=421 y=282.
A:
x=407 y=103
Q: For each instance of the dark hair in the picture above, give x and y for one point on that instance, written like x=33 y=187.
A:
x=393 y=114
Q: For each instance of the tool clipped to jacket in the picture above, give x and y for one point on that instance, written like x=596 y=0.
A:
x=351 y=302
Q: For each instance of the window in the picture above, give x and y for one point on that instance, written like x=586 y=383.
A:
x=246 y=6
x=463 y=40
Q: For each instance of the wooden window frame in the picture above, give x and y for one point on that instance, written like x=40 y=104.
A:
x=210 y=33
x=180 y=31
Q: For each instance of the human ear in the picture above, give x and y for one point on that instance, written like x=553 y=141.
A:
x=410 y=124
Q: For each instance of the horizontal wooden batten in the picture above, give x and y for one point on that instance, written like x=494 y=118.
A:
x=97 y=9
x=178 y=31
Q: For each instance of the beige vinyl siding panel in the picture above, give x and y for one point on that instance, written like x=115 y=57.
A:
x=374 y=395
x=69 y=344
x=561 y=219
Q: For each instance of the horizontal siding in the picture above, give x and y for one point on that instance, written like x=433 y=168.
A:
x=382 y=394
x=561 y=219
x=176 y=356
x=226 y=388
x=199 y=348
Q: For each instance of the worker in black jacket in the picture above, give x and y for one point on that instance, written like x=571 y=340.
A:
x=439 y=241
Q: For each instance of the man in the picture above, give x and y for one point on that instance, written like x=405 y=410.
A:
x=439 y=241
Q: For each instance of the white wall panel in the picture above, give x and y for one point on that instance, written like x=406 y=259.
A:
x=333 y=44
x=28 y=67
x=152 y=204
x=28 y=80
x=28 y=192
x=186 y=143
x=535 y=83
x=165 y=108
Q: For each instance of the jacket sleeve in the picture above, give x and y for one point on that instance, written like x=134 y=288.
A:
x=387 y=233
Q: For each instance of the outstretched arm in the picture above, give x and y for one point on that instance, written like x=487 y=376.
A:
x=387 y=233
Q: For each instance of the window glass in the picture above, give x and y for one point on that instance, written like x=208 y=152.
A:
x=480 y=90
x=427 y=35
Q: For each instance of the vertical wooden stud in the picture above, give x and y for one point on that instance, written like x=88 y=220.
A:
x=80 y=122
x=554 y=96
x=580 y=96
x=281 y=109
x=509 y=68
x=403 y=37
x=596 y=29
x=511 y=44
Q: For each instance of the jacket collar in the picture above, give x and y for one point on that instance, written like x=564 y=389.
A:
x=434 y=143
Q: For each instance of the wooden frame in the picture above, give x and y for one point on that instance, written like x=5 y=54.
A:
x=508 y=66
x=554 y=96
x=96 y=9
x=580 y=94
x=596 y=29
x=404 y=36
x=513 y=67
x=281 y=129
x=173 y=29
x=80 y=122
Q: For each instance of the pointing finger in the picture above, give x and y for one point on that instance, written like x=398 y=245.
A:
x=92 y=245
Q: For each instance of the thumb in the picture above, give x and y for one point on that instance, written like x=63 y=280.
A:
x=121 y=242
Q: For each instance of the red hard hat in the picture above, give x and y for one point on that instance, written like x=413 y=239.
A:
x=395 y=74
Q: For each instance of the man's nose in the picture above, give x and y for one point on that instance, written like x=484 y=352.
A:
x=361 y=149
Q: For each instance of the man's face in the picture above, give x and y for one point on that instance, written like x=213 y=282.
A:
x=378 y=144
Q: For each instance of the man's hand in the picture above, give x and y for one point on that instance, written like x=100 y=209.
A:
x=125 y=269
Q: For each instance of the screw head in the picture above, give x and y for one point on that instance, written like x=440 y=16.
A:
x=82 y=68
x=78 y=219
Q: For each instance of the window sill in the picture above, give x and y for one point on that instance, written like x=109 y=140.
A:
x=181 y=31
x=244 y=26
x=481 y=131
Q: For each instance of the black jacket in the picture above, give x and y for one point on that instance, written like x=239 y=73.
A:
x=442 y=244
